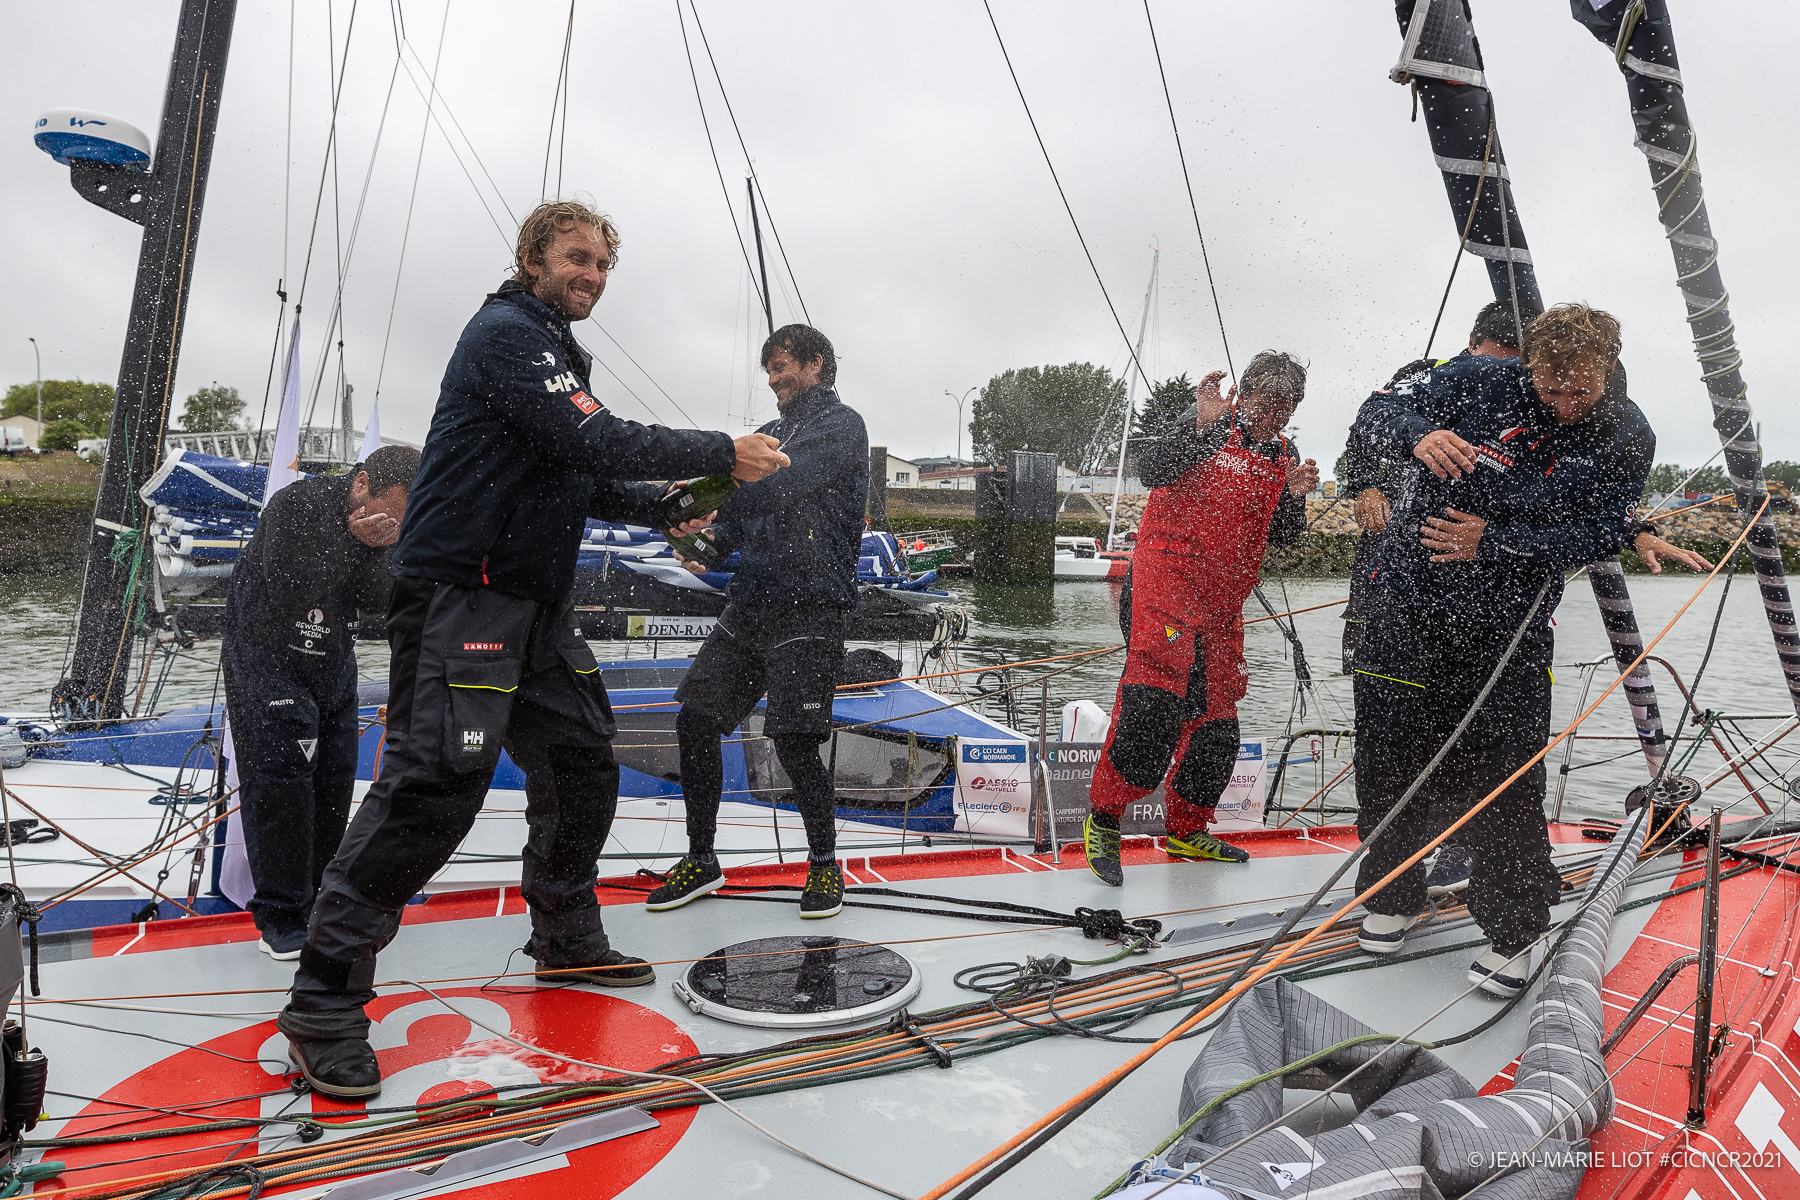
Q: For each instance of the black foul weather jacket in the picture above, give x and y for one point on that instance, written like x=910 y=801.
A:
x=1555 y=496
x=298 y=587
x=800 y=529
x=520 y=454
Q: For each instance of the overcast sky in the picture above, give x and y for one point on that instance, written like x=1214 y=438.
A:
x=923 y=229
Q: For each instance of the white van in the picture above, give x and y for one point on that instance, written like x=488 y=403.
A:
x=12 y=440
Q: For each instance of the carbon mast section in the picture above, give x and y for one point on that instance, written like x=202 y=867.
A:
x=1643 y=43
x=167 y=202
x=1441 y=59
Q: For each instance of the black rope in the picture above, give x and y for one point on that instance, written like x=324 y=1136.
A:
x=1107 y=924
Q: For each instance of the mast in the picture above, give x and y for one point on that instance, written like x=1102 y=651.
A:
x=761 y=266
x=167 y=202
x=1643 y=44
x=1112 y=520
x=1442 y=61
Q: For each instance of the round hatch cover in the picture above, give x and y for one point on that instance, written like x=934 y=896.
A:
x=799 y=982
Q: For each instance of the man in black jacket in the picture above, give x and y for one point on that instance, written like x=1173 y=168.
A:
x=783 y=632
x=1529 y=467
x=485 y=650
x=319 y=556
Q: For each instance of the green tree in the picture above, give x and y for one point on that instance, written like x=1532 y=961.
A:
x=1340 y=470
x=1664 y=478
x=64 y=400
x=1074 y=412
x=1710 y=479
x=1786 y=472
x=63 y=435
x=1168 y=400
x=212 y=409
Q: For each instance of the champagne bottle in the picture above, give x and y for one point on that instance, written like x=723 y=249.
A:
x=696 y=498
x=697 y=547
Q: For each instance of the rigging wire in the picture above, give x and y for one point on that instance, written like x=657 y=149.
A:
x=1054 y=178
x=412 y=198
x=1187 y=180
x=714 y=150
x=337 y=95
x=559 y=96
x=755 y=179
x=336 y=320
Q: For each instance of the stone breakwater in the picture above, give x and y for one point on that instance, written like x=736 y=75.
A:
x=1330 y=541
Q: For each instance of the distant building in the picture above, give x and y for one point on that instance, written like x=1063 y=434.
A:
x=902 y=473
x=952 y=477
x=28 y=425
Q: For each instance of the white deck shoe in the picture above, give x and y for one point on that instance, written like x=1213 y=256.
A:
x=1384 y=934
x=1500 y=975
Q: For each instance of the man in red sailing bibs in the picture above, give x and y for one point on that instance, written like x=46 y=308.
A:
x=1225 y=485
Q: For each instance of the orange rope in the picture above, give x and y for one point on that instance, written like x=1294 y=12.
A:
x=1117 y=1074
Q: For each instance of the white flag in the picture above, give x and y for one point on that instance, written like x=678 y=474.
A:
x=284 y=463
x=371 y=434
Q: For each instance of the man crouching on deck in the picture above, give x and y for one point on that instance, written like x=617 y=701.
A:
x=1531 y=467
x=1224 y=485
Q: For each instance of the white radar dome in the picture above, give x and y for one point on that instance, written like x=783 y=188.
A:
x=72 y=133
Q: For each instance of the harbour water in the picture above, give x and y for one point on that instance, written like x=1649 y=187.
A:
x=1042 y=622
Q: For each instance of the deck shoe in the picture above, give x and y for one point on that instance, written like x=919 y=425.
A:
x=689 y=880
x=1202 y=846
x=1502 y=974
x=1450 y=871
x=1384 y=934
x=824 y=894
x=281 y=949
x=332 y=1052
x=1103 y=852
x=613 y=970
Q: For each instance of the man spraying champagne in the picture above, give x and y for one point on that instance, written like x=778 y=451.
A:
x=783 y=631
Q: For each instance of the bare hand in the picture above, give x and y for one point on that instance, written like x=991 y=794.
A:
x=698 y=568
x=1372 y=510
x=696 y=524
x=1652 y=549
x=1302 y=477
x=1210 y=405
x=758 y=457
x=1448 y=456
x=374 y=529
x=1455 y=536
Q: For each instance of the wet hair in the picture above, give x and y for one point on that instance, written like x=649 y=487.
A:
x=1571 y=334
x=1274 y=373
x=544 y=222
x=389 y=467
x=805 y=343
x=1494 y=323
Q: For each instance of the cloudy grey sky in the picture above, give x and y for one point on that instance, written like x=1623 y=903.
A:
x=923 y=229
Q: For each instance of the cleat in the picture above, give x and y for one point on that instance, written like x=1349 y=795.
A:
x=1103 y=852
x=1501 y=975
x=824 y=894
x=613 y=970
x=1450 y=871
x=1383 y=934
x=687 y=881
x=1204 y=847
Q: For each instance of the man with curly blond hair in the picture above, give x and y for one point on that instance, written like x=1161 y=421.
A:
x=1522 y=469
x=485 y=651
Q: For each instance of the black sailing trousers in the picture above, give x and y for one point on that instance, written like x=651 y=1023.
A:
x=472 y=671
x=791 y=652
x=1413 y=684
x=296 y=765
